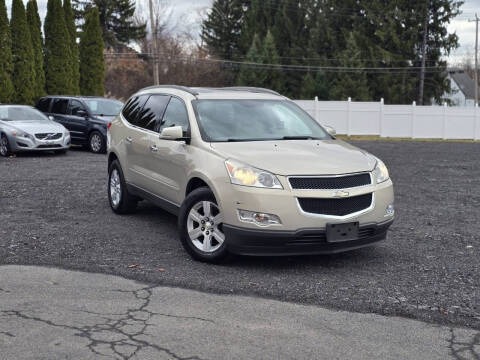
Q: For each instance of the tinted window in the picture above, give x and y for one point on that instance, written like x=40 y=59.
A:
x=75 y=107
x=133 y=107
x=152 y=112
x=60 y=106
x=175 y=115
x=43 y=104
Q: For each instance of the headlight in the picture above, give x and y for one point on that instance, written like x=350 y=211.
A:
x=381 y=172
x=242 y=174
x=22 y=134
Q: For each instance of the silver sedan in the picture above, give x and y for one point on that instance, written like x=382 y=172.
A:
x=23 y=128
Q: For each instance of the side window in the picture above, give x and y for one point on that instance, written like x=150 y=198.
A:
x=76 y=107
x=131 y=110
x=43 y=104
x=60 y=106
x=152 y=112
x=175 y=115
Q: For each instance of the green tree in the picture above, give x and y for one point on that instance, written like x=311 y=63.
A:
x=22 y=51
x=309 y=87
x=221 y=30
x=57 y=50
x=351 y=83
x=116 y=20
x=92 y=64
x=35 y=25
x=273 y=78
x=250 y=74
x=74 y=61
x=6 y=59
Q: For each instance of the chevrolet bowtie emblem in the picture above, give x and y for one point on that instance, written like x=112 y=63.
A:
x=341 y=194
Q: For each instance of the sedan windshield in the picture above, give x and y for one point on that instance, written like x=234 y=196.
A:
x=255 y=120
x=104 y=107
x=21 y=113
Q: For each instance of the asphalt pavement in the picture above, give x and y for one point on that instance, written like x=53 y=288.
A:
x=54 y=212
x=48 y=313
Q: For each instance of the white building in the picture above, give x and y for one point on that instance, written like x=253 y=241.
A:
x=463 y=88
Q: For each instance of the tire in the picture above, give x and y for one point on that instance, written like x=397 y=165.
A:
x=125 y=203
x=4 y=146
x=196 y=226
x=96 y=143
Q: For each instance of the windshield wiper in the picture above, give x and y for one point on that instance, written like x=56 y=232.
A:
x=300 y=138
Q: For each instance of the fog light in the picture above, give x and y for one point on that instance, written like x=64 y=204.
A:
x=390 y=211
x=260 y=219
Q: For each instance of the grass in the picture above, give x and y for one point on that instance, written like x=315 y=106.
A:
x=378 y=138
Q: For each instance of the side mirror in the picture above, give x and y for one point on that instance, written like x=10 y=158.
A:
x=172 y=133
x=330 y=130
x=50 y=117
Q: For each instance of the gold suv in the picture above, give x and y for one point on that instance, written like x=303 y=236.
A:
x=247 y=172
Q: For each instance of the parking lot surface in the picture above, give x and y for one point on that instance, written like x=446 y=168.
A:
x=54 y=212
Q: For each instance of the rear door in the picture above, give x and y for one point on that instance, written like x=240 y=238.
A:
x=78 y=120
x=133 y=141
x=59 y=111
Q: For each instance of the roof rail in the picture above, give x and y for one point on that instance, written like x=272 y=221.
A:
x=177 y=87
x=252 y=89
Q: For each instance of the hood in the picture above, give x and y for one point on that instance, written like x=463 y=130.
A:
x=34 y=126
x=104 y=119
x=299 y=157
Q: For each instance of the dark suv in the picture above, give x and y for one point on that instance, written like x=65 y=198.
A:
x=85 y=117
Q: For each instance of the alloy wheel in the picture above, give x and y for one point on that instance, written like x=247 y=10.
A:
x=96 y=142
x=204 y=226
x=115 y=188
x=3 y=146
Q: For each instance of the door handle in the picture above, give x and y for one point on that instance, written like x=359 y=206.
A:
x=129 y=139
x=154 y=148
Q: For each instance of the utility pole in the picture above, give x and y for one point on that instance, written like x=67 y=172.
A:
x=156 y=79
x=424 y=53
x=476 y=62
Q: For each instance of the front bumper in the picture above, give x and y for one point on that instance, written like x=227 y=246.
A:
x=20 y=144
x=243 y=241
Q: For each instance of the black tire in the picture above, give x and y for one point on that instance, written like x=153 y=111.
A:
x=97 y=143
x=128 y=203
x=4 y=146
x=198 y=195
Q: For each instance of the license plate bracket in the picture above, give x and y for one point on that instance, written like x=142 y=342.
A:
x=342 y=232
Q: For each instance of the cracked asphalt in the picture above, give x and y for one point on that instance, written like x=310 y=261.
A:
x=48 y=313
x=54 y=212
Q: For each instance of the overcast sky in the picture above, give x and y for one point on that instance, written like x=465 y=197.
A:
x=187 y=14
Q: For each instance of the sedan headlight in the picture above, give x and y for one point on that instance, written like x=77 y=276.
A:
x=246 y=175
x=22 y=134
x=381 y=172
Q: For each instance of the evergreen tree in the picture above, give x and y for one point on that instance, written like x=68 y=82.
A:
x=34 y=25
x=221 y=30
x=352 y=83
x=272 y=78
x=6 y=59
x=116 y=20
x=92 y=65
x=57 y=50
x=308 y=87
x=249 y=75
x=74 y=61
x=22 y=51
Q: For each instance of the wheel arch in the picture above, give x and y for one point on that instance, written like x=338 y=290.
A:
x=197 y=180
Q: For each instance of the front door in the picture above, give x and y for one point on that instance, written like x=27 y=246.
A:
x=59 y=111
x=78 y=121
x=166 y=165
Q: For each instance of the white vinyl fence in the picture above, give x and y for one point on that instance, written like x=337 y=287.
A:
x=406 y=121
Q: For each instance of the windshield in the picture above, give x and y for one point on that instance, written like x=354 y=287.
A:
x=21 y=113
x=104 y=107
x=255 y=120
